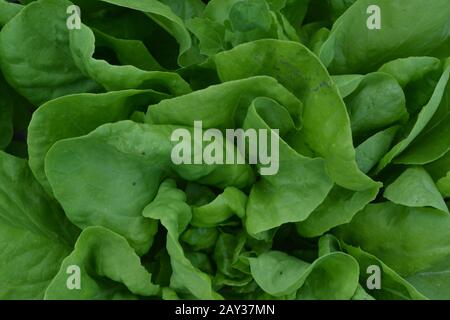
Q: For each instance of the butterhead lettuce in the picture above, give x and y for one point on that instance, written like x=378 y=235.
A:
x=225 y=149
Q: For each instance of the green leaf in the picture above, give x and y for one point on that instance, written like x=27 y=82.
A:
x=170 y=208
x=439 y=168
x=219 y=10
x=108 y=268
x=433 y=142
x=410 y=69
x=227 y=251
x=51 y=73
x=332 y=276
x=338 y=208
x=231 y=202
x=393 y=286
x=374 y=148
x=35 y=236
x=443 y=185
x=167 y=19
x=400 y=236
x=347 y=83
x=6 y=114
x=77 y=115
x=128 y=52
x=434 y=106
x=338 y=7
x=222 y=106
x=415 y=188
x=361 y=294
x=249 y=15
x=123 y=76
x=434 y=282
x=185 y=9
x=415 y=29
x=8 y=10
x=200 y=238
x=371 y=111
x=295 y=190
x=210 y=34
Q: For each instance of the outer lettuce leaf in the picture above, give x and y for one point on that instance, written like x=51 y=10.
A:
x=393 y=286
x=332 y=276
x=415 y=29
x=109 y=269
x=51 y=73
x=77 y=115
x=433 y=282
x=35 y=236
x=401 y=236
x=8 y=10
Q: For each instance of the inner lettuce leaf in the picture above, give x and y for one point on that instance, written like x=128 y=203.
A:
x=300 y=185
x=353 y=48
x=170 y=208
x=415 y=188
x=326 y=125
x=437 y=104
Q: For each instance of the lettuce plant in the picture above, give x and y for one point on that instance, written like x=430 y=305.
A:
x=356 y=93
